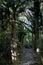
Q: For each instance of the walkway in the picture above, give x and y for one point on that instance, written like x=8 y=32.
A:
x=28 y=56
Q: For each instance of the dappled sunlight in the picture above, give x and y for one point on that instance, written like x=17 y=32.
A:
x=38 y=50
x=14 y=55
x=14 y=45
x=13 y=51
x=42 y=59
x=21 y=32
x=14 y=58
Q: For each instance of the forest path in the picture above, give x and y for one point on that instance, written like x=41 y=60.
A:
x=29 y=58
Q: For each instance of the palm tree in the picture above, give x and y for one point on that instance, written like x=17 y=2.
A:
x=12 y=8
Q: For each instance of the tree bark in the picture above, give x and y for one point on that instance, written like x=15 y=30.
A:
x=36 y=22
x=36 y=30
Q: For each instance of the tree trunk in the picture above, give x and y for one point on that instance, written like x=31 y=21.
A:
x=36 y=23
x=36 y=30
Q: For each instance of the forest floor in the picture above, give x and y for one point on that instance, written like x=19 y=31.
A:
x=29 y=58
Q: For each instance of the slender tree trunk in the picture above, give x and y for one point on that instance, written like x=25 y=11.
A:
x=36 y=30
x=14 y=39
x=36 y=22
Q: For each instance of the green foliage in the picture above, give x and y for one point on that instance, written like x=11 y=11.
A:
x=3 y=42
x=41 y=48
x=20 y=50
x=24 y=37
x=41 y=42
x=27 y=41
x=37 y=64
x=4 y=49
x=0 y=1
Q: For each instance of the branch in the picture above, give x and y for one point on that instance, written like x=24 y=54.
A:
x=26 y=24
x=25 y=27
x=20 y=4
x=30 y=13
